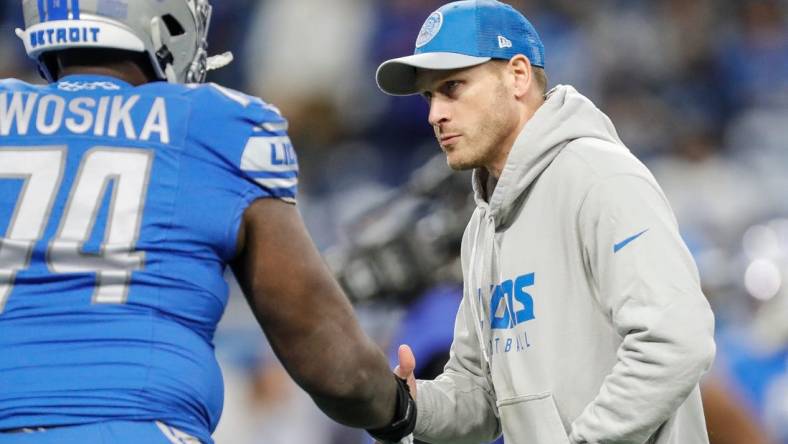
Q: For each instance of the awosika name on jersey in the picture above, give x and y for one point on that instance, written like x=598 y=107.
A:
x=110 y=116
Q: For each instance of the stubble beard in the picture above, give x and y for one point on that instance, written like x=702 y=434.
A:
x=482 y=147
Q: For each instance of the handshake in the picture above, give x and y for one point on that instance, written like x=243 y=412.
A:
x=401 y=430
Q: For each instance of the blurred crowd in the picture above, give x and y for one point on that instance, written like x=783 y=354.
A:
x=698 y=89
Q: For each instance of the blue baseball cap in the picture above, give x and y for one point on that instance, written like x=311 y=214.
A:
x=460 y=35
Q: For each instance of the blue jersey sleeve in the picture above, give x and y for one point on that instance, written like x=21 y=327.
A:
x=267 y=158
x=244 y=141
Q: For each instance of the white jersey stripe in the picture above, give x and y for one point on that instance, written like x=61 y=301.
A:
x=277 y=183
x=176 y=436
x=272 y=127
x=272 y=154
x=232 y=95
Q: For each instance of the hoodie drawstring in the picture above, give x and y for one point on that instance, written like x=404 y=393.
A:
x=476 y=281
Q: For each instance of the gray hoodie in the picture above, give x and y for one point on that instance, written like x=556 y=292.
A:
x=582 y=319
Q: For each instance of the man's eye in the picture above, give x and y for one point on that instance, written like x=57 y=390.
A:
x=451 y=86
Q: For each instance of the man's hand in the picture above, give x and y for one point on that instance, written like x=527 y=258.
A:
x=407 y=363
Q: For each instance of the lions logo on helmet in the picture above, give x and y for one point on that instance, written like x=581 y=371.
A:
x=172 y=32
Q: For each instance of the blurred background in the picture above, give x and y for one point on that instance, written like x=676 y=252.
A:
x=698 y=90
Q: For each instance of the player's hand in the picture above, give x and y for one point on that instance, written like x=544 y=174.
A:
x=407 y=363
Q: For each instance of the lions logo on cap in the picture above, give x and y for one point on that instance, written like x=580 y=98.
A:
x=429 y=29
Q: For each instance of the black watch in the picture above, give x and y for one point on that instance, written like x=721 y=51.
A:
x=404 y=416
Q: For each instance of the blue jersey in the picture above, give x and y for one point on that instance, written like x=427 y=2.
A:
x=119 y=211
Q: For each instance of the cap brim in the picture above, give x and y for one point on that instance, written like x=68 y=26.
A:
x=397 y=77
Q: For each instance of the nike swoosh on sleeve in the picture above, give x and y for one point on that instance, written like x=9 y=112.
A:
x=626 y=241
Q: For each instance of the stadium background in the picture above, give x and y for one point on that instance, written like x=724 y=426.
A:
x=698 y=89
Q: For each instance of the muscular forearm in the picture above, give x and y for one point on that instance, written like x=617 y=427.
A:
x=307 y=319
x=359 y=413
x=347 y=376
x=328 y=355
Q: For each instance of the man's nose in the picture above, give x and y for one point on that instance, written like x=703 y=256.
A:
x=439 y=112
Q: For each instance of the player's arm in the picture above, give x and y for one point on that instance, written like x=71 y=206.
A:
x=308 y=320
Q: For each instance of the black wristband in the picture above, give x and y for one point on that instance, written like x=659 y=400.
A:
x=404 y=421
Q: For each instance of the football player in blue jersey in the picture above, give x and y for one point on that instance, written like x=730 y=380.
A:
x=127 y=187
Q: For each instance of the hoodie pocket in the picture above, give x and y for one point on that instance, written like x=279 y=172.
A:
x=531 y=419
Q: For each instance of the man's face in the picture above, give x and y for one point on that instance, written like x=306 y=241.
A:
x=472 y=112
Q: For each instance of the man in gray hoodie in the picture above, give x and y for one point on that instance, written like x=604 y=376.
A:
x=583 y=319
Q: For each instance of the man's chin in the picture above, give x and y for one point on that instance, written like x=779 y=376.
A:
x=458 y=164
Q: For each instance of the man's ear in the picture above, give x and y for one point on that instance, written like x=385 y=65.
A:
x=520 y=68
